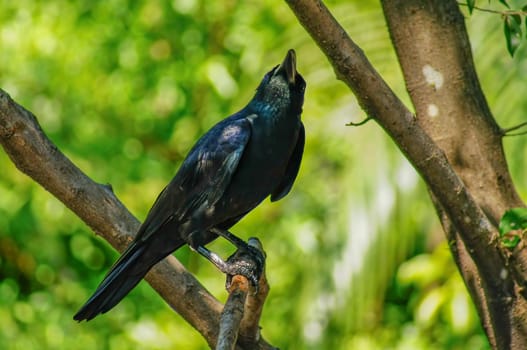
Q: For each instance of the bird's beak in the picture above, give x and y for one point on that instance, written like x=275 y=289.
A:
x=288 y=66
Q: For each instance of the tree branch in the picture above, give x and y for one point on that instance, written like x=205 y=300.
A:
x=496 y=12
x=362 y=122
x=35 y=155
x=381 y=104
x=232 y=314
x=506 y=131
x=254 y=303
x=240 y=319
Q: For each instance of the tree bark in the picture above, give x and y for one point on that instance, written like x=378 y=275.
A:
x=35 y=155
x=232 y=313
x=433 y=48
x=453 y=142
x=240 y=318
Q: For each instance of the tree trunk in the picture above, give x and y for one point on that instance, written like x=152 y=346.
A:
x=434 y=52
x=453 y=142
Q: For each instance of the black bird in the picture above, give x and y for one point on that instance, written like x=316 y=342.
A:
x=246 y=157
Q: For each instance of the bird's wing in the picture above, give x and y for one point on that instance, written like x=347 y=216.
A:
x=203 y=177
x=215 y=164
x=292 y=168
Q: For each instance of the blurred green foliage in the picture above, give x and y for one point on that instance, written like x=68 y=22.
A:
x=356 y=257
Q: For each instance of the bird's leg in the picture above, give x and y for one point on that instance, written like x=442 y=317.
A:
x=248 y=260
x=245 y=262
x=214 y=258
x=238 y=242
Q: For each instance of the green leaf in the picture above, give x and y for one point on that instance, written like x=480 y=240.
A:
x=510 y=242
x=513 y=219
x=513 y=32
x=504 y=2
x=470 y=5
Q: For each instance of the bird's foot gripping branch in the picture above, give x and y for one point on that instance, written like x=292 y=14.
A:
x=243 y=308
x=248 y=260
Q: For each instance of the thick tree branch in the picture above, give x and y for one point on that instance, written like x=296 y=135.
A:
x=35 y=155
x=381 y=104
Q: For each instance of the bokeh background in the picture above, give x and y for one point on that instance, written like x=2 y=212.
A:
x=356 y=255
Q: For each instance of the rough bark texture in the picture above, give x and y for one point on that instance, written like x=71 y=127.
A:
x=453 y=142
x=35 y=155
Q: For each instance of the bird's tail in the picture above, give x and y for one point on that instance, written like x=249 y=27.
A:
x=125 y=274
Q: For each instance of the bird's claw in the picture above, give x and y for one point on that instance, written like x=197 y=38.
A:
x=247 y=261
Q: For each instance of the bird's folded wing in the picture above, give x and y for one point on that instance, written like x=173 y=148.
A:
x=203 y=177
x=292 y=168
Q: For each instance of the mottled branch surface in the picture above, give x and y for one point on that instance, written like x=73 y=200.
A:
x=240 y=318
x=232 y=314
x=453 y=142
x=35 y=155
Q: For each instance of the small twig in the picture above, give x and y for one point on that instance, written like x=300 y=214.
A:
x=517 y=134
x=503 y=13
x=506 y=132
x=367 y=119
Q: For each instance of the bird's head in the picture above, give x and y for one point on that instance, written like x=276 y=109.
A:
x=282 y=88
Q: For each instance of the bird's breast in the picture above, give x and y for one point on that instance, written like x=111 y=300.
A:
x=273 y=139
x=266 y=156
